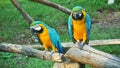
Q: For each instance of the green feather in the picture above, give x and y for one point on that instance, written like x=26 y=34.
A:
x=39 y=22
x=77 y=8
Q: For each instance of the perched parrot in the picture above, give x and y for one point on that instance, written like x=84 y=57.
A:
x=47 y=36
x=79 y=25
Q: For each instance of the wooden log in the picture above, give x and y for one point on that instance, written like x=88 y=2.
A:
x=54 y=5
x=88 y=55
x=104 y=42
x=95 y=42
x=93 y=57
x=66 y=65
x=30 y=52
x=22 y=11
x=91 y=43
x=71 y=44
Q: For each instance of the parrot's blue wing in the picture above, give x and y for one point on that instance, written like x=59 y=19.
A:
x=88 y=25
x=55 y=39
x=70 y=28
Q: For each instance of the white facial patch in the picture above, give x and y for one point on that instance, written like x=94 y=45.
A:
x=36 y=27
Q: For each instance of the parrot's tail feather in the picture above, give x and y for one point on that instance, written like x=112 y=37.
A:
x=60 y=49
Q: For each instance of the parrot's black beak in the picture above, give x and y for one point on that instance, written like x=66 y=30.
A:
x=33 y=31
x=77 y=15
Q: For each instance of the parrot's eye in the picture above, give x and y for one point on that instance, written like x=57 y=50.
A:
x=77 y=15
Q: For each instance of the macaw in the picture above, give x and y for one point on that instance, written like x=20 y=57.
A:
x=47 y=36
x=79 y=25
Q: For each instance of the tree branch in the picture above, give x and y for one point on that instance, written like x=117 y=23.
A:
x=95 y=42
x=54 y=5
x=105 y=42
x=88 y=55
x=28 y=51
x=71 y=44
x=91 y=43
x=22 y=11
x=93 y=57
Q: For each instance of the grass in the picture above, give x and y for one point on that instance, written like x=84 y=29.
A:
x=14 y=29
x=23 y=62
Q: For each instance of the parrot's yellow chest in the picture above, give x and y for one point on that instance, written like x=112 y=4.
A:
x=79 y=29
x=45 y=38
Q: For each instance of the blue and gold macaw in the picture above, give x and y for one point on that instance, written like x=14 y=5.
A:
x=79 y=25
x=47 y=36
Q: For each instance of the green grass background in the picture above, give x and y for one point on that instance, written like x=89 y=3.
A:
x=14 y=29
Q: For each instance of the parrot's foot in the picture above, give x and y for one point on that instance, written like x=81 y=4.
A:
x=80 y=45
x=51 y=54
x=43 y=54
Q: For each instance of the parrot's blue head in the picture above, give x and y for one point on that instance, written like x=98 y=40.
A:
x=77 y=13
x=35 y=27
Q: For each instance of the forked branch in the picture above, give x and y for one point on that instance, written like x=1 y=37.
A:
x=54 y=5
x=22 y=11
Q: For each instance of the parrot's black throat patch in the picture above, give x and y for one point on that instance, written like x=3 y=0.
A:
x=40 y=31
x=77 y=15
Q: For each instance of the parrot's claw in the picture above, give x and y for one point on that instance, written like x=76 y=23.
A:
x=43 y=54
x=51 y=54
x=80 y=45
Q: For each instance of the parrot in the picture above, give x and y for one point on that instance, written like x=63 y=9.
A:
x=79 y=25
x=47 y=36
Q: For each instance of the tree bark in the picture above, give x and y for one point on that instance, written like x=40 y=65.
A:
x=54 y=5
x=88 y=55
x=91 y=43
x=22 y=11
x=93 y=57
x=66 y=65
x=30 y=52
x=95 y=42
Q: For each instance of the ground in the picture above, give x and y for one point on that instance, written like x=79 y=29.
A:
x=108 y=17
